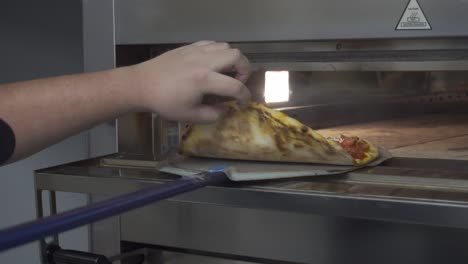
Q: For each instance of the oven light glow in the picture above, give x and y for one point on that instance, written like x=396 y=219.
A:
x=276 y=86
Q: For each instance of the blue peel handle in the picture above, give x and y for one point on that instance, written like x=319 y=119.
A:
x=35 y=230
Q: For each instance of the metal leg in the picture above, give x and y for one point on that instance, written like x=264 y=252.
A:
x=105 y=235
x=53 y=211
x=40 y=214
x=52 y=200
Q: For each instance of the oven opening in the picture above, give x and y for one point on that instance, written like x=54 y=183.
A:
x=414 y=114
x=276 y=86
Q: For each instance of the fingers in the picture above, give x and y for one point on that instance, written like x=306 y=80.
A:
x=206 y=114
x=244 y=69
x=227 y=59
x=222 y=85
x=196 y=44
x=202 y=43
x=216 y=46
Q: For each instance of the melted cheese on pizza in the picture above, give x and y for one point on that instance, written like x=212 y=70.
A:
x=260 y=133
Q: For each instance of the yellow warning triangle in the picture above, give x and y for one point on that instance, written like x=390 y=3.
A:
x=413 y=18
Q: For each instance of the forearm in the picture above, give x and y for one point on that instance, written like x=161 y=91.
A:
x=43 y=112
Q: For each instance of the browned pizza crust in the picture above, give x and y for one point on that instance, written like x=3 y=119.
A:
x=263 y=134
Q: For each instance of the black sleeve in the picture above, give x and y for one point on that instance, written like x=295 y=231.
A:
x=7 y=142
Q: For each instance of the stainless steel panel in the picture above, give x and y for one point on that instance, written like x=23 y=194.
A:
x=289 y=237
x=98 y=35
x=449 y=54
x=340 y=197
x=355 y=45
x=365 y=66
x=105 y=235
x=148 y=135
x=136 y=131
x=174 y=21
x=242 y=232
x=135 y=134
x=364 y=217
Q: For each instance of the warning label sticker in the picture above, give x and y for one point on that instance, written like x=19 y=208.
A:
x=413 y=18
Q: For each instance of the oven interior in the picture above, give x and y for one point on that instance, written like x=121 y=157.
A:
x=413 y=113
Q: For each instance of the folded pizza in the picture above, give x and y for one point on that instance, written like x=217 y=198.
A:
x=259 y=133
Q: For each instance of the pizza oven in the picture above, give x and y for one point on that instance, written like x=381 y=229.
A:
x=393 y=72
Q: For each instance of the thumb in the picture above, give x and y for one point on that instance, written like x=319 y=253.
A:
x=207 y=113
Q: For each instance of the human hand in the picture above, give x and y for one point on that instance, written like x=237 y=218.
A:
x=174 y=83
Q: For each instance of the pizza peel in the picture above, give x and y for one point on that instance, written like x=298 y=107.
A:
x=241 y=170
x=196 y=173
